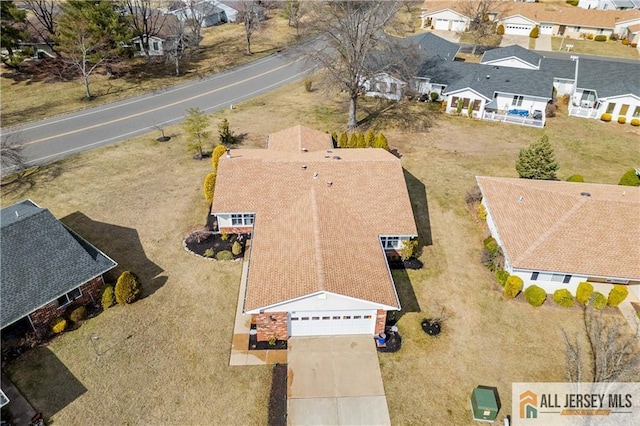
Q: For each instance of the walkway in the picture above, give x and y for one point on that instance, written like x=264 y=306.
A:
x=21 y=410
x=335 y=381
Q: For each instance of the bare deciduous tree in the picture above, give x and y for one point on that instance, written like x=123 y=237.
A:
x=177 y=48
x=12 y=158
x=251 y=13
x=350 y=33
x=46 y=14
x=483 y=14
x=146 y=20
x=612 y=351
x=294 y=10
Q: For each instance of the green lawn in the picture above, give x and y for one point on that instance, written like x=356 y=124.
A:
x=164 y=359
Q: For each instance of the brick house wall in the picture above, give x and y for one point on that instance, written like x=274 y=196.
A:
x=381 y=321
x=392 y=254
x=236 y=229
x=41 y=318
x=271 y=324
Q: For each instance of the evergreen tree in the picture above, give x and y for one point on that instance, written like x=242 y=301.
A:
x=209 y=186
x=370 y=138
x=218 y=152
x=361 y=141
x=353 y=141
x=11 y=31
x=630 y=178
x=344 y=140
x=195 y=124
x=537 y=161
x=381 y=142
x=127 y=289
x=226 y=135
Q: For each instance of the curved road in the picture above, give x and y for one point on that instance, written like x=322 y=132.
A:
x=58 y=137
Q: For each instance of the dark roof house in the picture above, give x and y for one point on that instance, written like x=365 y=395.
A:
x=41 y=261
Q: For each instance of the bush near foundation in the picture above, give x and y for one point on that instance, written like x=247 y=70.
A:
x=501 y=276
x=79 y=314
x=598 y=300
x=224 y=255
x=606 y=117
x=512 y=286
x=108 y=297
x=584 y=292
x=59 y=325
x=127 y=289
x=617 y=295
x=563 y=297
x=575 y=178
x=535 y=295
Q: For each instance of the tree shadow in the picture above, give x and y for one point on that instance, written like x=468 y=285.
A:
x=21 y=182
x=406 y=295
x=122 y=245
x=45 y=381
x=420 y=207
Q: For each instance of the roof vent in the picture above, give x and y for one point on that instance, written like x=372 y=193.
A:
x=336 y=157
x=228 y=153
x=304 y=167
x=520 y=199
x=507 y=80
x=329 y=151
x=329 y=183
x=585 y=194
x=488 y=76
x=303 y=149
x=315 y=175
x=327 y=155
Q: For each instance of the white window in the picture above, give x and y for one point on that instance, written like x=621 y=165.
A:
x=65 y=299
x=390 y=242
x=517 y=100
x=155 y=45
x=241 y=219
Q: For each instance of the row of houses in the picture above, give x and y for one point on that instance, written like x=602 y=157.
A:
x=515 y=85
x=322 y=229
x=519 y=18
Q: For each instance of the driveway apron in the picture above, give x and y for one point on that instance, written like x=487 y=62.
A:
x=335 y=381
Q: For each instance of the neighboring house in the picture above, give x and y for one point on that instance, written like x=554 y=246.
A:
x=322 y=220
x=557 y=234
x=443 y=18
x=161 y=39
x=37 y=39
x=208 y=12
x=47 y=268
x=609 y=4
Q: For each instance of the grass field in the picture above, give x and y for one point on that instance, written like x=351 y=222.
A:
x=222 y=47
x=600 y=48
x=164 y=359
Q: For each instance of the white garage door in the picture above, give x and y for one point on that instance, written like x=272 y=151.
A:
x=457 y=26
x=442 y=24
x=546 y=29
x=321 y=323
x=518 y=29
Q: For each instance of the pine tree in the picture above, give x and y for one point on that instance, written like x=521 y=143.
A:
x=344 y=140
x=370 y=138
x=226 y=135
x=209 y=186
x=218 y=152
x=353 y=141
x=537 y=161
x=361 y=141
x=381 y=142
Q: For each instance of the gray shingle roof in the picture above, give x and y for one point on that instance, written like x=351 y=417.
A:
x=559 y=68
x=41 y=259
x=511 y=51
x=430 y=45
x=608 y=78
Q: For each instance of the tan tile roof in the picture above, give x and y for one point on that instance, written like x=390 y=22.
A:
x=547 y=13
x=296 y=138
x=555 y=228
x=310 y=235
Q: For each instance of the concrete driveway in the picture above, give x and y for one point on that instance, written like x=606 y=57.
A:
x=508 y=40
x=335 y=381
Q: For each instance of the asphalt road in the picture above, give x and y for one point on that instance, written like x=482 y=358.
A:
x=58 y=137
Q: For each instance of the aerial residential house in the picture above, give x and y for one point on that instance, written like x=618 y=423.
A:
x=444 y=17
x=557 y=234
x=47 y=269
x=322 y=221
x=207 y=12
x=160 y=41
x=609 y=4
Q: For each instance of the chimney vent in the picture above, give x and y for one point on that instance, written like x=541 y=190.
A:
x=228 y=153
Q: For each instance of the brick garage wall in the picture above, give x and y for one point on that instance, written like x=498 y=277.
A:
x=41 y=318
x=392 y=254
x=381 y=321
x=271 y=324
x=236 y=229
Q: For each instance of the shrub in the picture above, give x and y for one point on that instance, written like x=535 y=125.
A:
x=224 y=236
x=630 y=178
x=361 y=140
x=501 y=276
x=78 y=314
x=473 y=195
x=625 y=42
x=512 y=286
x=344 y=140
x=381 y=142
x=617 y=295
x=634 y=45
x=573 y=2
x=600 y=37
x=459 y=107
x=209 y=252
x=635 y=122
x=307 y=85
x=369 y=138
x=535 y=32
x=59 y=325
x=225 y=134
x=434 y=96
x=482 y=212
x=535 y=295
x=606 y=117
x=218 y=152
x=599 y=301
x=613 y=36
x=622 y=120
x=500 y=30
x=583 y=293
x=128 y=288
x=224 y=255
x=108 y=297
x=408 y=249
x=491 y=244
x=537 y=161
x=563 y=297
x=209 y=186
x=575 y=178
x=236 y=248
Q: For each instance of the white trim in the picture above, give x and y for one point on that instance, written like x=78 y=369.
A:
x=69 y=300
x=276 y=306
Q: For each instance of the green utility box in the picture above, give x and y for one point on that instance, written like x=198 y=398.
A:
x=485 y=404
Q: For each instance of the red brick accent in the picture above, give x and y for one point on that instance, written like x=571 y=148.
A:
x=236 y=229
x=381 y=321
x=272 y=324
x=392 y=254
x=42 y=317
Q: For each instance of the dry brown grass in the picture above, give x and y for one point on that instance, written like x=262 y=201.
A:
x=222 y=47
x=174 y=367
x=601 y=48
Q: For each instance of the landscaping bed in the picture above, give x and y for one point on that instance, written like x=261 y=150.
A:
x=255 y=345
x=208 y=244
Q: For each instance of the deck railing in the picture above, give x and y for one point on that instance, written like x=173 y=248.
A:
x=585 y=112
x=514 y=119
